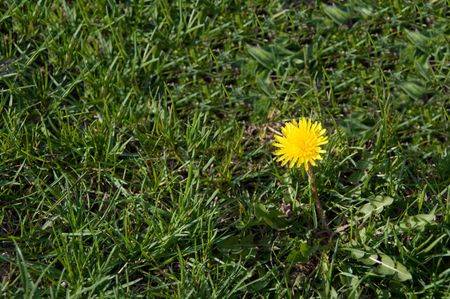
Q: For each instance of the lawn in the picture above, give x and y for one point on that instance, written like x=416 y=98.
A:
x=137 y=158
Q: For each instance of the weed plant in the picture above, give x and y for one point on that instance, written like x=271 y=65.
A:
x=136 y=157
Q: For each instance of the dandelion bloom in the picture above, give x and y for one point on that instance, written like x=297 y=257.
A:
x=300 y=143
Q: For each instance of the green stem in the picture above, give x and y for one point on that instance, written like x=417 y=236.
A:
x=315 y=197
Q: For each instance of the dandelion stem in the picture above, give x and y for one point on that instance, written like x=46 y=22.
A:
x=315 y=196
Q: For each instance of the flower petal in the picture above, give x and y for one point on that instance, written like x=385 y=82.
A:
x=292 y=163
x=276 y=144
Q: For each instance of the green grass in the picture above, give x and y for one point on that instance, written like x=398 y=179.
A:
x=136 y=157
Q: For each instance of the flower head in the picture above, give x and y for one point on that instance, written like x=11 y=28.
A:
x=300 y=143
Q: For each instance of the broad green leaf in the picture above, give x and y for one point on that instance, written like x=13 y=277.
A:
x=357 y=254
x=236 y=243
x=261 y=109
x=386 y=265
x=366 y=209
x=365 y=12
x=381 y=201
x=413 y=89
x=371 y=260
x=302 y=252
x=418 y=39
x=423 y=67
x=402 y=273
x=363 y=256
x=417 y=221
x=265 y=83
x=271 y=218
x=354 y=125
x=231 y=243
x=363 y=234
x=375 y=205
x=264 y=57
x=336 y=14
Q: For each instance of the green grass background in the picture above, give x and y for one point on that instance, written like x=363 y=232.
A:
x=136 y=157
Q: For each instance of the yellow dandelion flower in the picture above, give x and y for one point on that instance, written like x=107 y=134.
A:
x=300 y=143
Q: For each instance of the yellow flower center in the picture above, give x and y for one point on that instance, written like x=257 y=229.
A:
x=300 y=143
